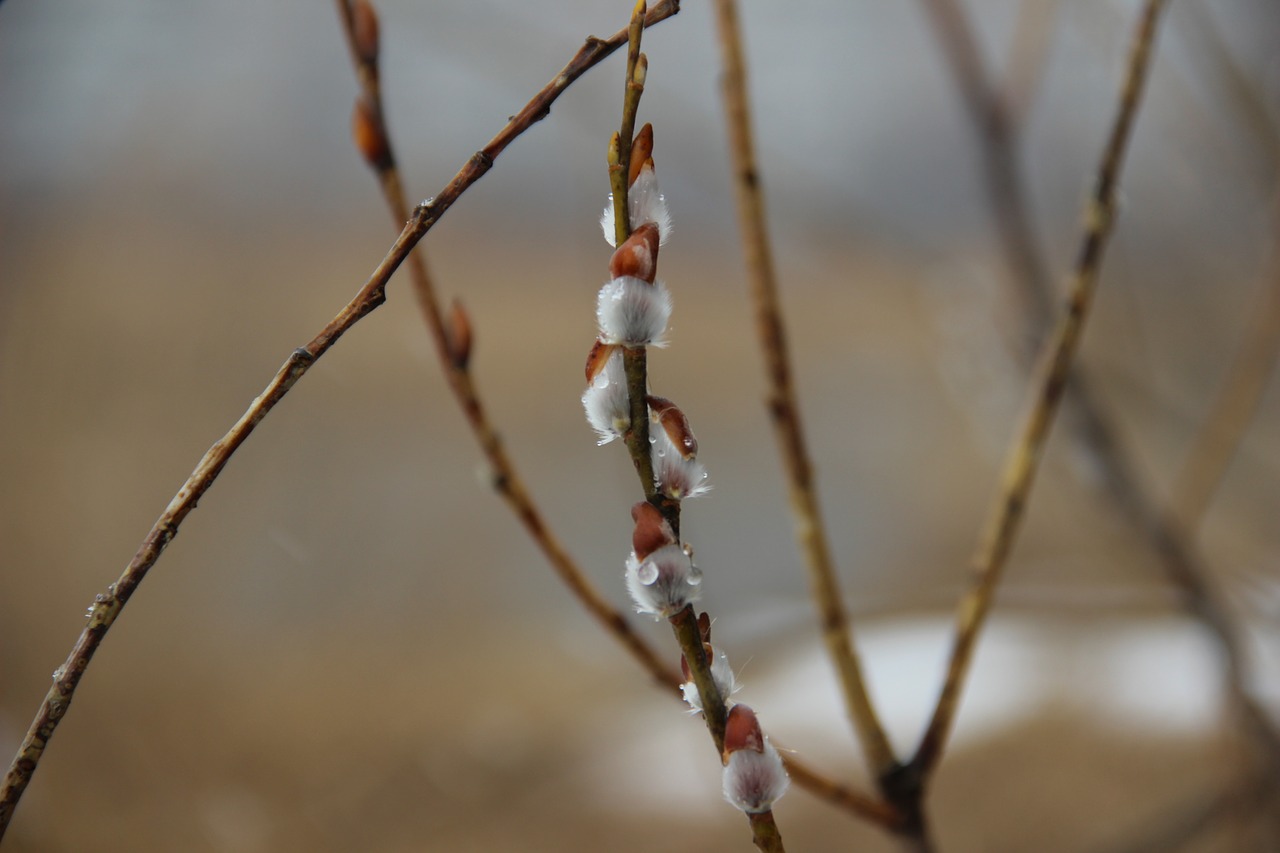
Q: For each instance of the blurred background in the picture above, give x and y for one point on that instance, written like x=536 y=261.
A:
x=352 y=645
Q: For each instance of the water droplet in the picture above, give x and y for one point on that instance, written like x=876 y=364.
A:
x=647 y=573
x=653 y=440
x=59 y=672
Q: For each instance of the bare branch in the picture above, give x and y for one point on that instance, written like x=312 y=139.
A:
x=1049 y=381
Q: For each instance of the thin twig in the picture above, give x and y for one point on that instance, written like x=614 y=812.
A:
x=1048 y=381
x=1093 y=424
x=108 y=606
x=784 y=407
x=510 y=485
x=684 y=623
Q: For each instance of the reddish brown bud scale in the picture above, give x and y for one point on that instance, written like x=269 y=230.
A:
x=367 y=132
x=652 y=530
x=597 y=358
x=638 y=255
x=364 y=31
x=684 y=669
x=742 y=731
x=641 y=152
x=675 y=424
x=458 y=336
x=704 y=628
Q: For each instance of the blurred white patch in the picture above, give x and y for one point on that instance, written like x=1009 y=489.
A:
x=1158 y=676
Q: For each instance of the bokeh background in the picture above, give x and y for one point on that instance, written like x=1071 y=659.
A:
x=353 y=646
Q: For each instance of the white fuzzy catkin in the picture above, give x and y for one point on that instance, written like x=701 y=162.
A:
x=645 y=203
x=675 y=476
x=663 y=583
x=606 y=401
x=632 y=312
x=721 y=674
x=754 y=781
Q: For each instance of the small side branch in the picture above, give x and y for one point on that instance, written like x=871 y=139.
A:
x=1049 y=381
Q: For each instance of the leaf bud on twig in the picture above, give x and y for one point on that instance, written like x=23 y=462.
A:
x=458 y=336
x=369 y=135
x=598 y=357
x=638 y=256
x=364 y=31
x=641 y=151
x=652 y=531
x=675 y=424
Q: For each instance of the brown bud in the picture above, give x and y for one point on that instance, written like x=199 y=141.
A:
x=742 y=731
x=704 y=628
x=652 y=530
x=641 y=152
x=597 y=358
x=638 y=255
x=364 y=31
x=458 y=336
x=675 y=425
x=370 y=139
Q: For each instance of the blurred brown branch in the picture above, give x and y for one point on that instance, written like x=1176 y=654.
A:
x=1048 y=383
x=1165 y=531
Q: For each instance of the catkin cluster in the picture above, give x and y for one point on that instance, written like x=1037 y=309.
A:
x=632 y=311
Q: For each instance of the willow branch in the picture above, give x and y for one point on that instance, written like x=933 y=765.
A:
x=784 y=407
x=107 y=607
x=1048 y=381
x=511 y=486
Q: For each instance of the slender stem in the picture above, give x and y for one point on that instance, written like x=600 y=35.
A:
x=764 y=833
x=685 y=627
x=1048 y=382
x=1092 y=422
x=109 y=605
x=784 y=406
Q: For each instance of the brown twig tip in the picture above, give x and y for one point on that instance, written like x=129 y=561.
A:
x=652 y=531
x=369 y=134
x=675 y=424
x=641 y=152
x=458 y=336
x=638 y=255
x=364 y=31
